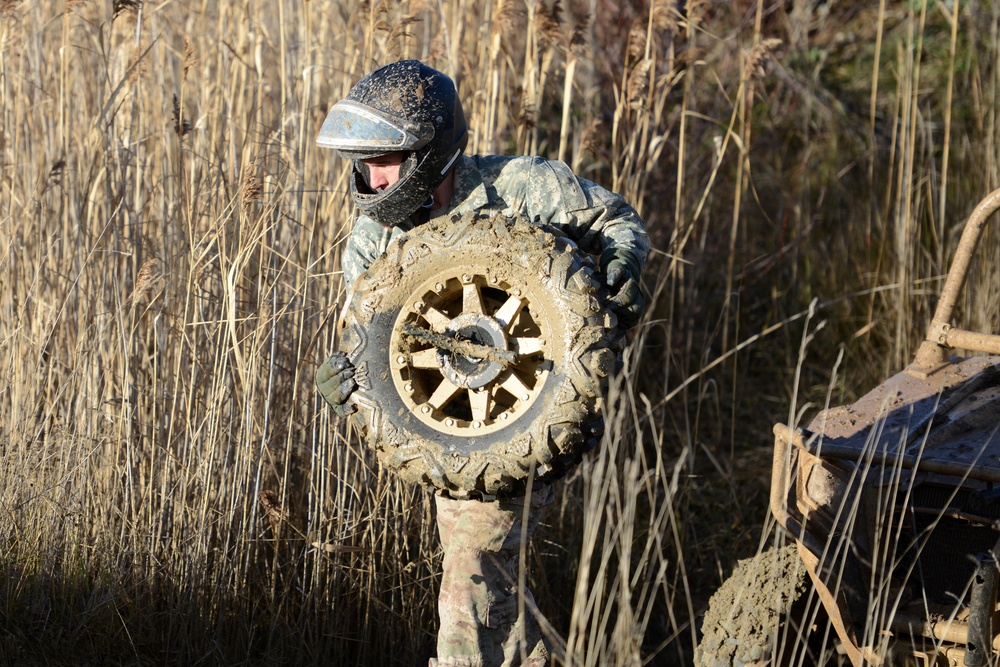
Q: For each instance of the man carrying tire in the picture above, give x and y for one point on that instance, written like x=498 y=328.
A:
x=404 y=129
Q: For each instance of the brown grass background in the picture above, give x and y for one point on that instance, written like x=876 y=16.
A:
x=171 y=490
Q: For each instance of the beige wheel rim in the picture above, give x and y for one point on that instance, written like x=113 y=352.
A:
x=462 y=394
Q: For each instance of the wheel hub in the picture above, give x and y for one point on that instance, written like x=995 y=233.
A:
x=461 y=387
x=466 y=371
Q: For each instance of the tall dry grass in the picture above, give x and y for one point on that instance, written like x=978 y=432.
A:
x=171 y=490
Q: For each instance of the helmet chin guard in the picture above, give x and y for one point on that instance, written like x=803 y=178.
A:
x=404 y=106
x=394 y=205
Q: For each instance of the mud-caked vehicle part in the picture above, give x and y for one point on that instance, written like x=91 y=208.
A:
x=761 y=616
x=481 y=343
x=894 y=499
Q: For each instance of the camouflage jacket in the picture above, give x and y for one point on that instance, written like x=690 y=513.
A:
x=544 y=191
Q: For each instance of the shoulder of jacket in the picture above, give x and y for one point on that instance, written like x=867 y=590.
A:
x=493 y=166
x=555 y=175
x=365 y=226
x=527 y=173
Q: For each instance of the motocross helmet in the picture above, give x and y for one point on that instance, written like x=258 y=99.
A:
x=404 y=106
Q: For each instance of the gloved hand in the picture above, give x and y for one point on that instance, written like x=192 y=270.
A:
x=621 y=270
x=335 y=382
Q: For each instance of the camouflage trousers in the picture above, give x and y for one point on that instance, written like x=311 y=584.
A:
x=485 y=610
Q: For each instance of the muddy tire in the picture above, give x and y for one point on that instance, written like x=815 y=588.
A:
x=756 y=616
x=523 y=398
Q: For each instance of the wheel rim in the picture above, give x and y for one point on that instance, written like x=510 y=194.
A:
x=460 y=394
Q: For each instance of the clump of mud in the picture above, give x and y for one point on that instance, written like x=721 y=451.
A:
x=745 y=614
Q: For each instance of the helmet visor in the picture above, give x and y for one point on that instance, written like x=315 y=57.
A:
x=358 y=131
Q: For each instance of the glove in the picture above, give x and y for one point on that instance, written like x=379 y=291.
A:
x=335 y=383
x=621 y=268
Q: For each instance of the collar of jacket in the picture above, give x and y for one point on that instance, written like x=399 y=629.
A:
x=469 y=192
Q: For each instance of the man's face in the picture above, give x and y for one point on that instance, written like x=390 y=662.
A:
x=383 y=171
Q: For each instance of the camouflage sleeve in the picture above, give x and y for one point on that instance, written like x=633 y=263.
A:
x=596 y=218
x=368 y=240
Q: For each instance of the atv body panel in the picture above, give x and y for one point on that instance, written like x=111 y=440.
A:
x=894 y=500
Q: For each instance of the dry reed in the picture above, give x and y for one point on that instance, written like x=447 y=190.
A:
x=173 y=491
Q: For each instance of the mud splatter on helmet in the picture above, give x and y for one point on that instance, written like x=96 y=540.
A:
x=404 y=106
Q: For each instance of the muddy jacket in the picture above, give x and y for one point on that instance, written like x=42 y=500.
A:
x=544 y=191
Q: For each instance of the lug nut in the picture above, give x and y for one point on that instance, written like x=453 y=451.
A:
x=449 y=422
x=425 y=409
x=466 y=278
x=476 y=424
x=438 y=287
